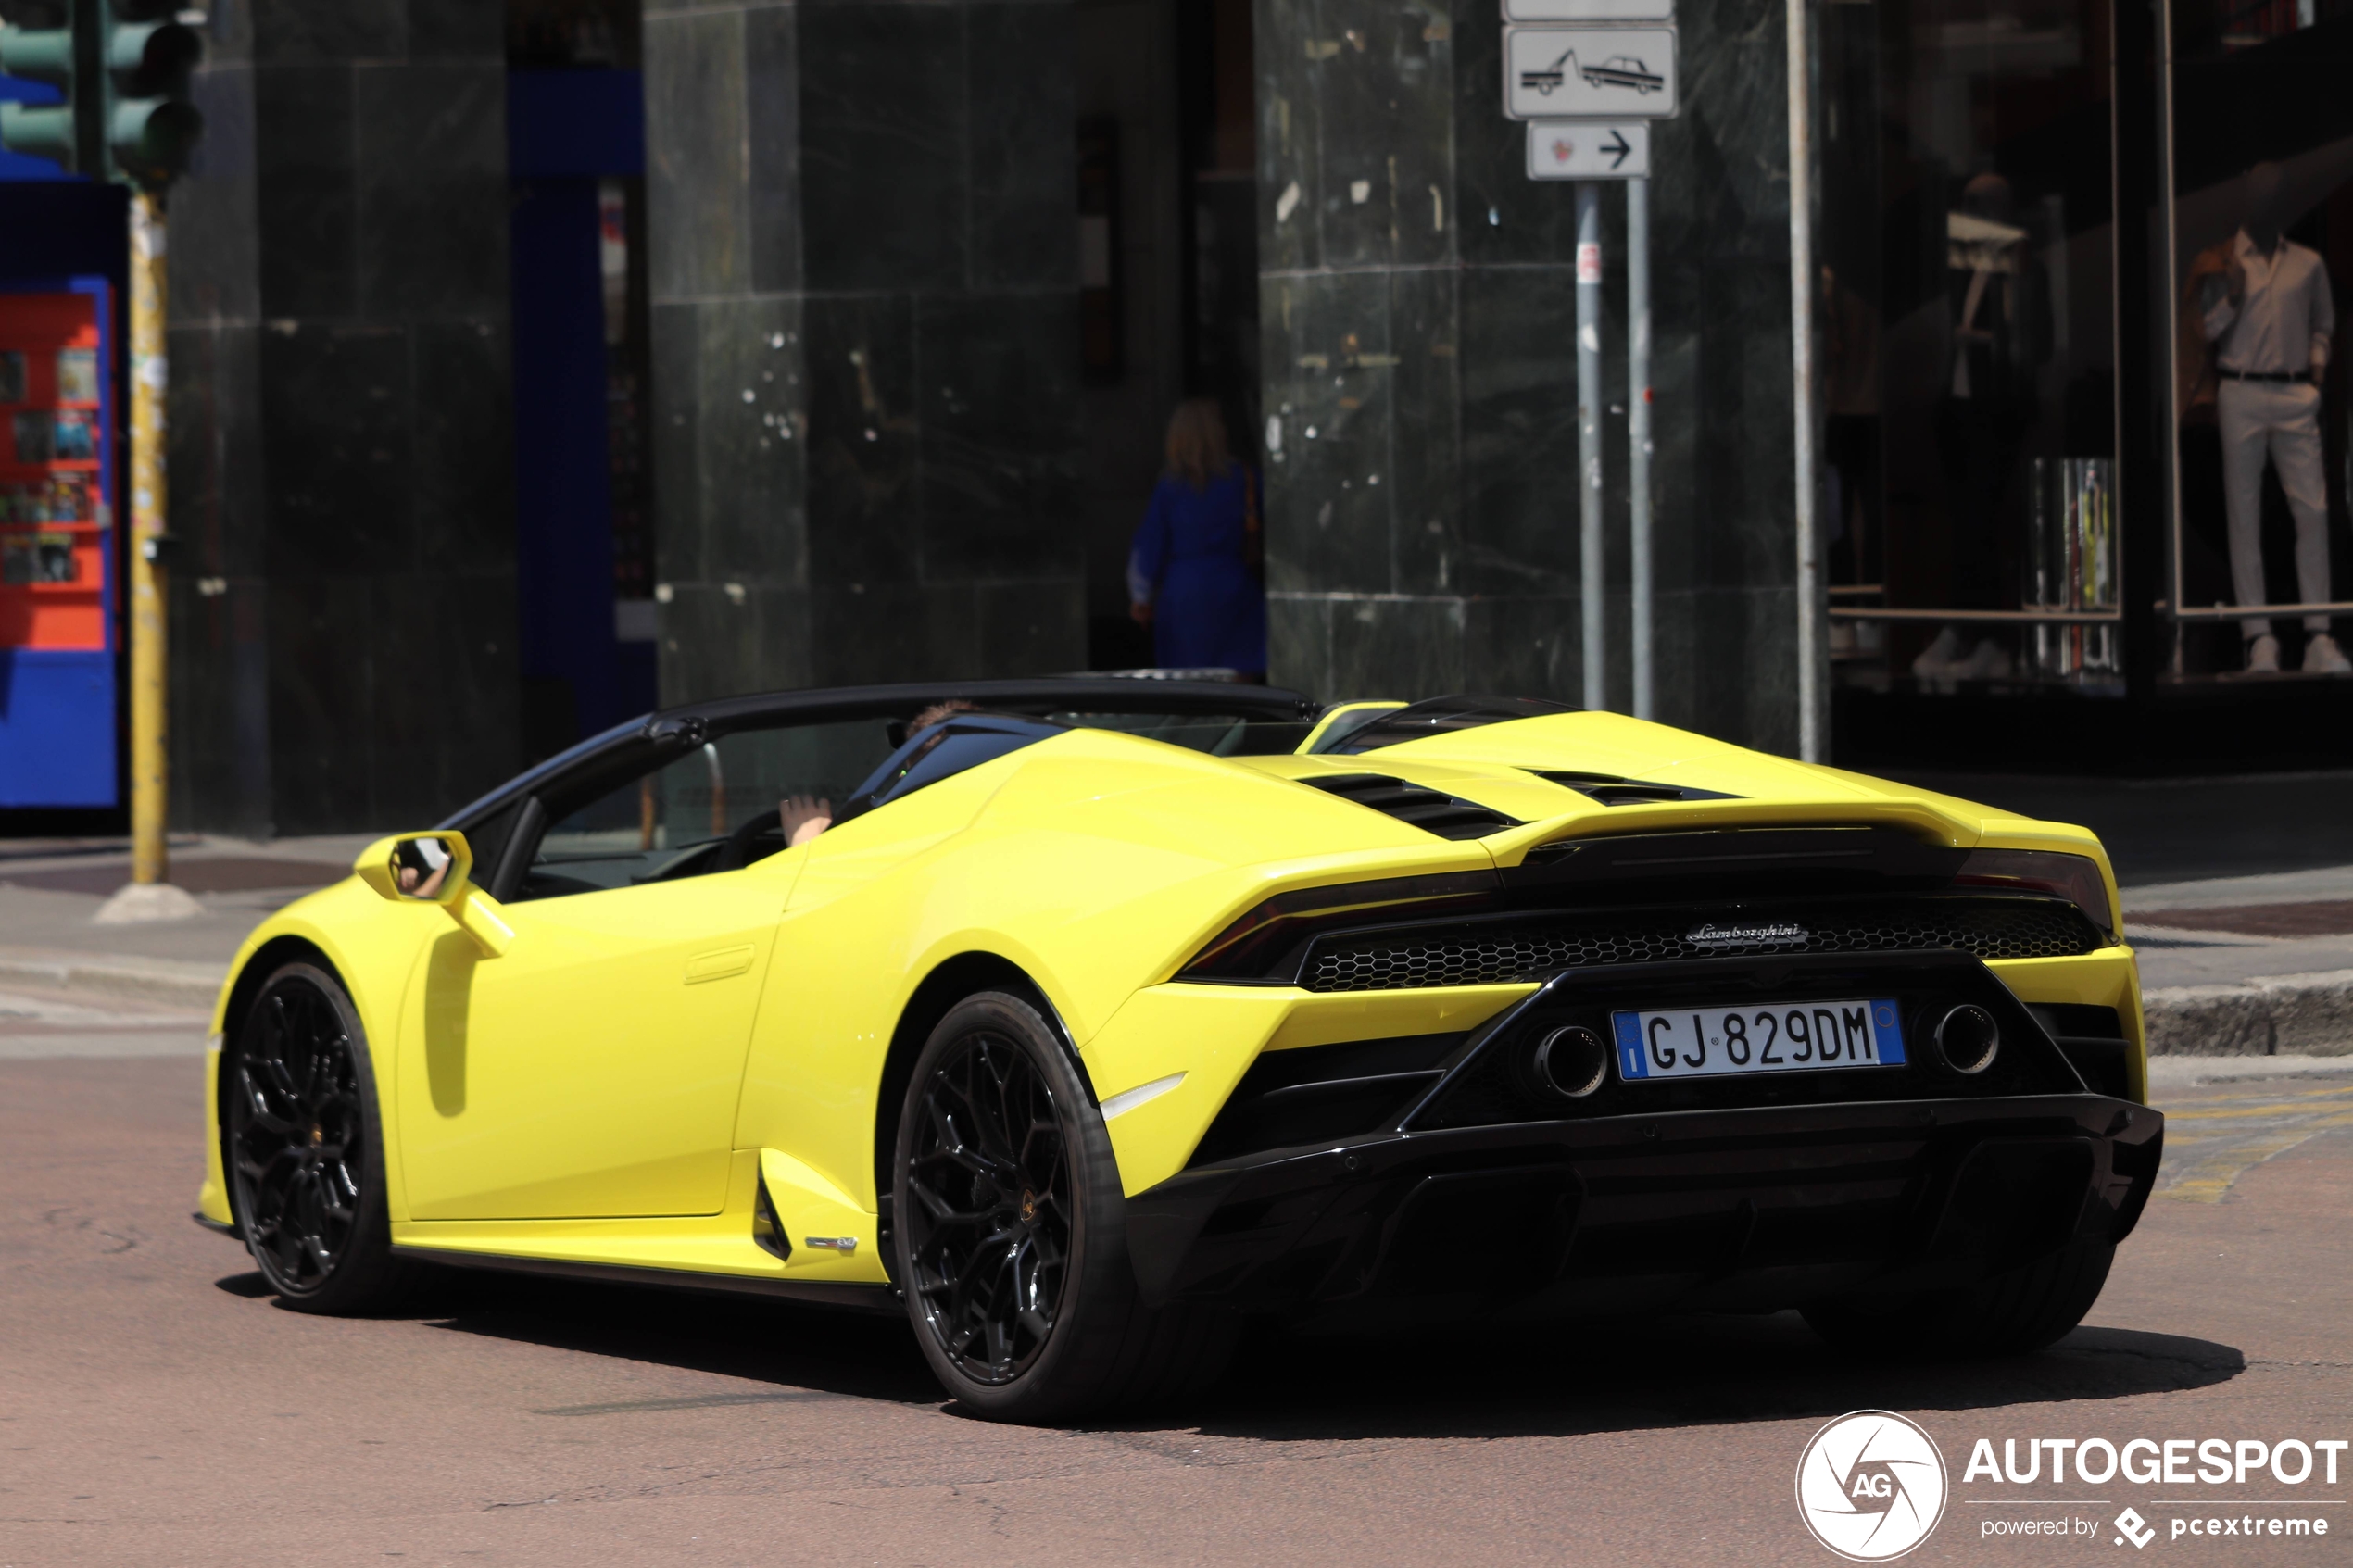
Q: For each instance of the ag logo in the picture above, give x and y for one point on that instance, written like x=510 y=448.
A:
x=1870 y=1485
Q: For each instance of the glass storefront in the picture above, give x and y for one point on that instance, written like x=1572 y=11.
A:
x=2062 y=459
x=2262 y=221
x=1967 y=294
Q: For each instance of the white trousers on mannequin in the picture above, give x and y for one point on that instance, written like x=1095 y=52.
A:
x=2281 y=420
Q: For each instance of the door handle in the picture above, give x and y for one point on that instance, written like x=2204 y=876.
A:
x=719 y=965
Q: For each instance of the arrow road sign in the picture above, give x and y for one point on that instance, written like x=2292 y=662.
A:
x=1589 y=149
x=1589 y=10
x=1589 y=73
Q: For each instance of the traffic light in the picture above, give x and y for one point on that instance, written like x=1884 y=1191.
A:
x=124 y=68
x=46 y=48
x=150 y=126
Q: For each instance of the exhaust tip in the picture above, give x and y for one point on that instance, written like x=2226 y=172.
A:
x=1572 y=1061
x=1967 y=1038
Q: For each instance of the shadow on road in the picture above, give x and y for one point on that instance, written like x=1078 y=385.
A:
x=1481 y=1382
x=806 y=1349
x=1632 y=1374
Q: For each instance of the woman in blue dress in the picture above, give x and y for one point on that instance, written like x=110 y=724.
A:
x=1193 y=575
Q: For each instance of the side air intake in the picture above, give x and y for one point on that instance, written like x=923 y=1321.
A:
x=1426 y=808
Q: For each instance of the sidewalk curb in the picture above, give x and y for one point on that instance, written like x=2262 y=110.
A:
x=2270 y=1015
x=191 y=985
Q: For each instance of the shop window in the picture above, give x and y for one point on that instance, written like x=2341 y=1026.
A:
x=2261 y=218
x=1968 y=306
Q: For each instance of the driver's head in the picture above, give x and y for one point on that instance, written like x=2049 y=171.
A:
x=937 y=712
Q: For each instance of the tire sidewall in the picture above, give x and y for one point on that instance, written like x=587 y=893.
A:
x=1095 y=1284
x=366 y=1257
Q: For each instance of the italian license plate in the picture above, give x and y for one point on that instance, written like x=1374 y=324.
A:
x=1771 y=1037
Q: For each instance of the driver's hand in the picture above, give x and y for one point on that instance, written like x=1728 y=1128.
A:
x=804 y=817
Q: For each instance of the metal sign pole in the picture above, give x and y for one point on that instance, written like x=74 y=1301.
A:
x=1638 y=433
x=1812 y=620
x=149 y=705
x=1590 y=557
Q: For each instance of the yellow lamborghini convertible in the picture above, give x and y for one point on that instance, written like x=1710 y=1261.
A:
x=1083 y=1020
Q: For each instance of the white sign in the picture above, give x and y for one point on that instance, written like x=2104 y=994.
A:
x=1589 y=73
x=1589 y=10
x=1589 y=149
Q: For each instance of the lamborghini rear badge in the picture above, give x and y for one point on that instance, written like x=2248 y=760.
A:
x=1781 y=933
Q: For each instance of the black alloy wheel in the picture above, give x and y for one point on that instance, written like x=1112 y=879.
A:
x=304 y=1151
x=988 y=1222
x=1010 y=1231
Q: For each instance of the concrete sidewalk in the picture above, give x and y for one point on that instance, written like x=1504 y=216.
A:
x=2238 y=966
x=50 y=890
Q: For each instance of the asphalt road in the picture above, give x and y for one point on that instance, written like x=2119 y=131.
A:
x=157 y=1407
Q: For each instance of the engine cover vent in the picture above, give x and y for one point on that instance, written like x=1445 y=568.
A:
x=1444 y=815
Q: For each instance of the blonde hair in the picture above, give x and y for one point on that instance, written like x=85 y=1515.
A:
x=1196 y=451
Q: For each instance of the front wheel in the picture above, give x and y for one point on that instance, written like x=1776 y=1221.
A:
x=304 y=1146
x=1009 y=1232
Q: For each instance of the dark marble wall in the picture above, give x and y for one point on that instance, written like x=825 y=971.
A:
x=343 y=596
x=1418 y=303
x=863 y=248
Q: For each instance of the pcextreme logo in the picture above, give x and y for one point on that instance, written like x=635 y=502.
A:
x=1870 y=1485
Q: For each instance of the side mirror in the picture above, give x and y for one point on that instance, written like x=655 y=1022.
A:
x=431 y=868
x=436 y=868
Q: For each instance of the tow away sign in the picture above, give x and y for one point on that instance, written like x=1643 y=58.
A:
x=1589 y=149
x=1589 y=73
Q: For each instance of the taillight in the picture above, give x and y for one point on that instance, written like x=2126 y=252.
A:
x=1249 y=948
x=2073 y=877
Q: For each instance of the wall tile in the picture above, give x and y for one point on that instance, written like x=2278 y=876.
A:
x=308 y=197
x=457 y=29
x=772 y=119
x=865 y=500
x=1036 y=628
x=215 y=257
x=432 y=186
x=1329 y=376
x=1023 y=154
x=697 y=137
x=999 y=434
x=335 y=403
x=884 y=113
x=305 y=32
x=676 y=402
x=1409 y=648
x=752 y=441
x=463 y=491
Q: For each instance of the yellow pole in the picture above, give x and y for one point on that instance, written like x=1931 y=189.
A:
x=148 y=858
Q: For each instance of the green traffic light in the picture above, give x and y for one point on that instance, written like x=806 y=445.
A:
x=38 y=131
x=123 y=68
x=150 y=126
x=151 y=138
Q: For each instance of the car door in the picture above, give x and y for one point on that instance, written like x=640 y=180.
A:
x=593 y=1068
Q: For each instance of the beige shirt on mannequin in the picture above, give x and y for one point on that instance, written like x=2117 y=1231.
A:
x=2282 y=325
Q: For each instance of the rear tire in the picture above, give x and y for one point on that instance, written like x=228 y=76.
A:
x=1010 y=1233
x=303 y=1143
x=2012 y=1313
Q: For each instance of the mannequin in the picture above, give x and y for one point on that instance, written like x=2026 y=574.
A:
x=2000 y=334
x=2267 y=313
